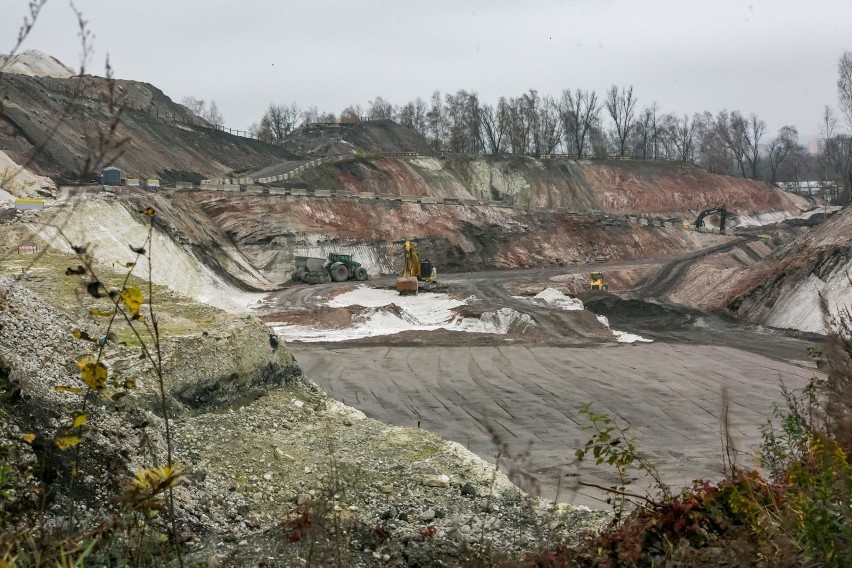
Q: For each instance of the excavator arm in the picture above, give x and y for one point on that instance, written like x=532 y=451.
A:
x=723 y=214
x=408 y=282
x=412 y=261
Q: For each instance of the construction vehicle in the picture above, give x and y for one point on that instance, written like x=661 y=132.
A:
x=335 y=268
x=596 y=281
x=723 y=215
x=417 y=273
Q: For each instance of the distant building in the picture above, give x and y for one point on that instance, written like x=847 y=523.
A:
x=810 y=188
x=111 y=176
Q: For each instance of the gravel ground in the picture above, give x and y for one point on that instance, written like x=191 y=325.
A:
x=376 y=494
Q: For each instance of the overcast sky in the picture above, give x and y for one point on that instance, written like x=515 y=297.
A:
x=777 y=58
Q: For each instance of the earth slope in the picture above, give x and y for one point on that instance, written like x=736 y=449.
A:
x=61 y=121
x=617 y=186
x=785 y=289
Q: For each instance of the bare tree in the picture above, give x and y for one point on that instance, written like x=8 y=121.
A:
x=279 y=121
x=310 y=115
x=755 y=130
x=683 y=134
x=712 y=153
x=351 y=114
x=519 y=125
x=547 y=129
x=844 y=86
x=621 y=108
x=580 y=112
x=197 y=106
x=646 y=132
x=461 y=116
x=435 y=120
x=493 y=124
x=413 y=115
x=780 y=148
x=200 y=108
x=732 y=131
x=380 y=109
x=666 y=136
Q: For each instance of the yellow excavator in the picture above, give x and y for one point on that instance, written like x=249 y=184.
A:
x=417 y=273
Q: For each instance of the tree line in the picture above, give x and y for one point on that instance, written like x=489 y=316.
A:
x=586 y=123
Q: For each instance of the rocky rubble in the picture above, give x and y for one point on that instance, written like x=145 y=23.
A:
x=298 y=454
x=258 y=454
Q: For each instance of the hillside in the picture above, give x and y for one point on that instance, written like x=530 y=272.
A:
x=35 y=63
x=785 y=289
x=63 y=121
x=333 y=139
x=616 y=186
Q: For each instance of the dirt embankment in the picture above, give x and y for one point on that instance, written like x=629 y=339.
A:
x=335 y=139
x=43 y=117
x=784 y=289
x=776 y=281
x=268 y=231
x=621 y=187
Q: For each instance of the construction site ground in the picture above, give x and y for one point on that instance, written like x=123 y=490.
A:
x=515 y=397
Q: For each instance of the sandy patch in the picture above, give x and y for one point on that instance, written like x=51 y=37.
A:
x=376 y=312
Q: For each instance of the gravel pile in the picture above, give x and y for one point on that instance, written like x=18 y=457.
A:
x=275 y=469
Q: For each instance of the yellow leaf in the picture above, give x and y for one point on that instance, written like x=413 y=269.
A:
x=129 y=384
x=79 y=334
x=129 y=264
x=73 y=390
x=132 y=298
x=80 y=418
x=93 y=373
x=67 y=441
x=149 y=212
x=28 y=438
x=97 y=312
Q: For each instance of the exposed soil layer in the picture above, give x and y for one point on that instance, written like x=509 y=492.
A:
x=269 y=231
x=783 y=290
x=617 y=186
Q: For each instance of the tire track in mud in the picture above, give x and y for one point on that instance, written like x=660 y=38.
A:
x=668 y=395
x=665 y=281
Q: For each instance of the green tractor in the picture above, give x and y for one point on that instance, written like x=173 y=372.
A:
x=336 y=268
x=342 y=267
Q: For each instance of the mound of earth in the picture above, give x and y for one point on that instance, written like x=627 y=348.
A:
x=16 y=181
x=336 y=139
x=59 y=122
x=786 y=289
x=35 y=63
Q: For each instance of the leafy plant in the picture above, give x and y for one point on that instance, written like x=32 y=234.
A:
x=610 y=444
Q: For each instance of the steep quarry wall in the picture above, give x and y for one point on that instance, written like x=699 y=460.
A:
x=268 y=231
x=616 y=186
x=784 y=290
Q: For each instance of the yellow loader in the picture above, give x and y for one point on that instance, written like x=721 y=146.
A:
x=417 y=273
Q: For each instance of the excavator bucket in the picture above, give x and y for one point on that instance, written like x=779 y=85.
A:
x=407 y=285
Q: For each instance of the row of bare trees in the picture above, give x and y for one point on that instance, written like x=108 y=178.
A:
x=580 y=123
x=585 y=123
